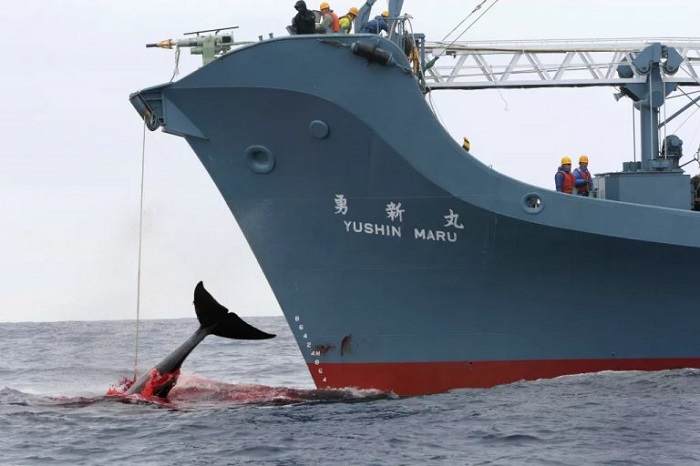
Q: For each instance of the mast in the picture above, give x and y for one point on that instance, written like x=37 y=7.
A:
x=649 y=96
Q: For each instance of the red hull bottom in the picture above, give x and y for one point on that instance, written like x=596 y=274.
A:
x=407 y=379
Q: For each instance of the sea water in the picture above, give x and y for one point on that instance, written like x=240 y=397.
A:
x=254 y=403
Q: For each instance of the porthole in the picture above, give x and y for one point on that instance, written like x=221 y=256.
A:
x=532 y=203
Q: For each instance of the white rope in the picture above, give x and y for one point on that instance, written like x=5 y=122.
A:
x=686 y=120
x=696 y=156
x=686 y=94
x=664 y=145
x=176 y=71
x=422 y=71
x=478 y=7
x=654 y=150
x=138 y=272
x=634 y=135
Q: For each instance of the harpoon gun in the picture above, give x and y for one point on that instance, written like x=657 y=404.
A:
x=209 y=46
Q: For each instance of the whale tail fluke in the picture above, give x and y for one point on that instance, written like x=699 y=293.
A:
x=214 y=319
x=220 y=321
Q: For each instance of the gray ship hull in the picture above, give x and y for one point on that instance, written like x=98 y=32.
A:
x=401 y=262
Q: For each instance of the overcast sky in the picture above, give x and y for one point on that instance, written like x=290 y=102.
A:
x=71 y=144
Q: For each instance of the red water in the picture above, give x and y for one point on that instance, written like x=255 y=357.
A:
x=155 y=381
x=193 y=390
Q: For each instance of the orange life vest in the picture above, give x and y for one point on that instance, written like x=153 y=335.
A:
x=584 y=176
x=569 y=182
x=336 y=22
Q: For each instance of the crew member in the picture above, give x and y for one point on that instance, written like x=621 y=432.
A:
x=329 y=21
x=564 y=179
x=466 y=145
x=695 y=183
x=377 y=25
x=582 y=177
x=305 y=21
x=346 y=21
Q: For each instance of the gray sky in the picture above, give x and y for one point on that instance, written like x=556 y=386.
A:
x=70 y=143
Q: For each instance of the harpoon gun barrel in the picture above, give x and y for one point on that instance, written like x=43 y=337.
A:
x=170 y=43
x=209 y=46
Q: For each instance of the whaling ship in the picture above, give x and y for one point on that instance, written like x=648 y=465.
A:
x=400 y=261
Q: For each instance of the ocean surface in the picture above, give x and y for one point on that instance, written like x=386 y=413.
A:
x=254 y=403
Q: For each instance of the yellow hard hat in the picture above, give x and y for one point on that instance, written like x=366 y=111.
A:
x=324 y=5
x=354 y=11
x=565 y=161
x=385 y=13
x=583 y=159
